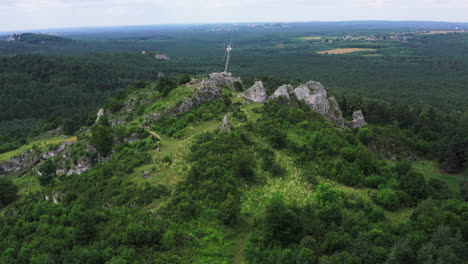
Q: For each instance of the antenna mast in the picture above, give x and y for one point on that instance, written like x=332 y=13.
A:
x=228 y=55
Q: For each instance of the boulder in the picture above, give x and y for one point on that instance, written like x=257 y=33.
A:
x=285 y=90
x=225 y=126
x=256 y=93
x=221 y=79
x=358 y=120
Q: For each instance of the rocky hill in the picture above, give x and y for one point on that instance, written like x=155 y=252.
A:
x=209 y=171
x=197 y=92
x=37 y=39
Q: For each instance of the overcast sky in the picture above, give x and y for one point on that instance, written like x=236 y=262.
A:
x=43 y=14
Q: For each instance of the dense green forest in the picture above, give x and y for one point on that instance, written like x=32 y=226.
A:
x=281 y=185
x=40 y=93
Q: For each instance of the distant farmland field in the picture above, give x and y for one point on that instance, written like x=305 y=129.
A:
x=344 y=50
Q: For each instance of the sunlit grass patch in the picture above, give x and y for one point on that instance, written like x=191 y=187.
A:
x=27 y=184
x=430 y=170
x=344 y=50
x=177 y=95
x=39 y=143
x=310 y=38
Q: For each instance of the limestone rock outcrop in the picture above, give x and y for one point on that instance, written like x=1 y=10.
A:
x=225 y=79
x=225 y=126
x=13 y=37
x=25 y=160
x=256 y=93
x=100 y=114
x=312 y=93
x=31 y=158
x=209 y=89
x=358 y=120
x=315 y=95
x=81 y=166
x=285 y=90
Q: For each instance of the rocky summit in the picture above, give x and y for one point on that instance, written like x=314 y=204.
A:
x=256 y=93
x=312 y=93
x=285 y=90
x=315 y=95
x=225 y=79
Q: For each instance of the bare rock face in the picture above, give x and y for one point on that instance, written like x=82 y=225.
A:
x=31 y=158
x=315 y=95
x=25 y=160
x=358 y=120
x=81 y=166
x=208 y=90
x=225 y=126
x=335 y=113
x=285 y=90
x=13 y=37
x=225 y=79
x=99 y=115
x=256 y=93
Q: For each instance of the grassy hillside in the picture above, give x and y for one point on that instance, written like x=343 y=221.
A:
x=284 y=186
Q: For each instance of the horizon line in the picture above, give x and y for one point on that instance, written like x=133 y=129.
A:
x=215 y=23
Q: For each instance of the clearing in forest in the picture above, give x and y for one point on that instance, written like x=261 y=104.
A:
x=310 y=38
x=344 y=50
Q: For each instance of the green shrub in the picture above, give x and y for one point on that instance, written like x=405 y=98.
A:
x=8 y=191
x=388 y=198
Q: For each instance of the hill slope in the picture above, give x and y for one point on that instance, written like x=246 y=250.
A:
x=197 y=173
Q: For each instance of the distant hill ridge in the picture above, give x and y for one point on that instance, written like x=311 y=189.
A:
x=32 y=38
